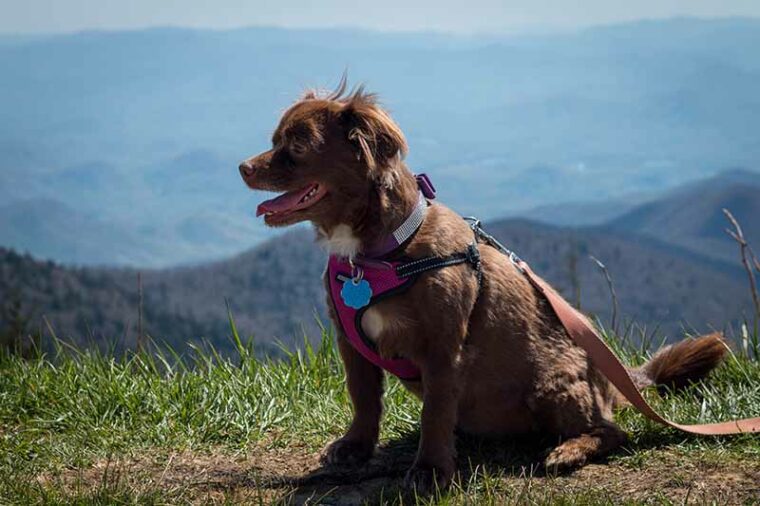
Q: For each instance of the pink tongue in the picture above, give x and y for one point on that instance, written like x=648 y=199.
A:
x=282 y=203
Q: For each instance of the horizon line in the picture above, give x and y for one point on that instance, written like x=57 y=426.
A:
x=525 y=30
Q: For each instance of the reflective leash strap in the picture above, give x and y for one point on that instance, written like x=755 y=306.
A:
x=603 y=358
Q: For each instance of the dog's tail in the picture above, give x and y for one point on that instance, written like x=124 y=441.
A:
x=680 y=364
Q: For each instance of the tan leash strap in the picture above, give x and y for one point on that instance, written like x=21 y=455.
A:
x=585 y=336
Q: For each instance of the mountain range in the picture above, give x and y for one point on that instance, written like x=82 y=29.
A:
x=692 y=217
x=673 y=267
x=121 y=148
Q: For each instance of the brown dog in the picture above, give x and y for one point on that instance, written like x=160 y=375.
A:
x=493 y=358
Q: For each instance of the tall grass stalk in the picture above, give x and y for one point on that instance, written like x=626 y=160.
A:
x=751 y=264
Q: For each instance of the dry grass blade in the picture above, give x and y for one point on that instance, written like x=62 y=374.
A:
x=746 y=253
x=613 y=293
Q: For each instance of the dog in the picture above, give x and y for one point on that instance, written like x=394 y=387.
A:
x=492 y=356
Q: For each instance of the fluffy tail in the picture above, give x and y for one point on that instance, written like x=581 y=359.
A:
x=680 y=364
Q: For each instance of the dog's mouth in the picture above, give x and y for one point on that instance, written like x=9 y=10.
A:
x=279 y=208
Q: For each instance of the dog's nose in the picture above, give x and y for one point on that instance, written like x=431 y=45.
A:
x=245 y=169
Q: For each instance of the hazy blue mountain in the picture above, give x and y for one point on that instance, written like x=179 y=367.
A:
x=691 y=217
x=143 y=130
x=578 y=214
x=55 y=230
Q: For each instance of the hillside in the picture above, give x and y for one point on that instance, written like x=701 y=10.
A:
x=582 y=214
x=91 y=307
x=657 y=285
x=691 y=217
x=140 y=132
x=274 y=290
x=180 y=306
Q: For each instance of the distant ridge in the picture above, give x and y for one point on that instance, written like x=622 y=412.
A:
x=691 y=217
x=275 y=291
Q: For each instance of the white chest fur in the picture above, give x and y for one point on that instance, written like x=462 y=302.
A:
x=373 y=323
x=340 y=241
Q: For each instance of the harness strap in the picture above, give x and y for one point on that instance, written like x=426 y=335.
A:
x=471 y=256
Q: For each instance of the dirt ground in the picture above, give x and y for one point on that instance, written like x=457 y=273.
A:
x=295 y=476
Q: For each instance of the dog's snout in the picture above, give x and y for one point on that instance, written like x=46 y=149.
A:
x=253 y=167
x=246 y=169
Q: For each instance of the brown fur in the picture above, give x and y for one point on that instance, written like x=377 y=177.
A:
x=494 y=361
x=688 y=361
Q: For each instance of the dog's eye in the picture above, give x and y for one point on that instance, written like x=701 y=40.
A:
x=298 y=148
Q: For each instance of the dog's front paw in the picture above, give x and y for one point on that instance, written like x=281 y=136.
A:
x=347 y=451
x=426 y=478
x=565 y=458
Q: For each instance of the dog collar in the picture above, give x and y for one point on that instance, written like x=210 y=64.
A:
x=410 y=225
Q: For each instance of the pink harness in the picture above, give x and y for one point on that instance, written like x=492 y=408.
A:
x=385 y=282
x=374 y=280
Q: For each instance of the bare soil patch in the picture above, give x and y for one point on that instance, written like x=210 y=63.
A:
x=294 y=475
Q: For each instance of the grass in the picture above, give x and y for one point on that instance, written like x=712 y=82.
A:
x=82 y=427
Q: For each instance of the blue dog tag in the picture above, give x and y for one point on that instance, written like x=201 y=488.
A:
x=356 y=294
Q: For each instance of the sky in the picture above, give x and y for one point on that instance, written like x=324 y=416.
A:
x=473 y=16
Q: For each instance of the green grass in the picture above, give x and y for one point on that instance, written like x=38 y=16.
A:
x=65 y=413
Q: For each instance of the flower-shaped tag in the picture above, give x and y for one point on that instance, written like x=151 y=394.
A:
x=356 y=293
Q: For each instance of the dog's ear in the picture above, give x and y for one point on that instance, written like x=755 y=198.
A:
x=376 y=137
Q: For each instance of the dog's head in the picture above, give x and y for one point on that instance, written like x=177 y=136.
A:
x=331 y=158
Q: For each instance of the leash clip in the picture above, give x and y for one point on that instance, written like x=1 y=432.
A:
x=474 y=224
x=516 y=261
x=492 y=241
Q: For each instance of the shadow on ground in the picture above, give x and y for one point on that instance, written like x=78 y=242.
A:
x=380 y=479
x=510 y=468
